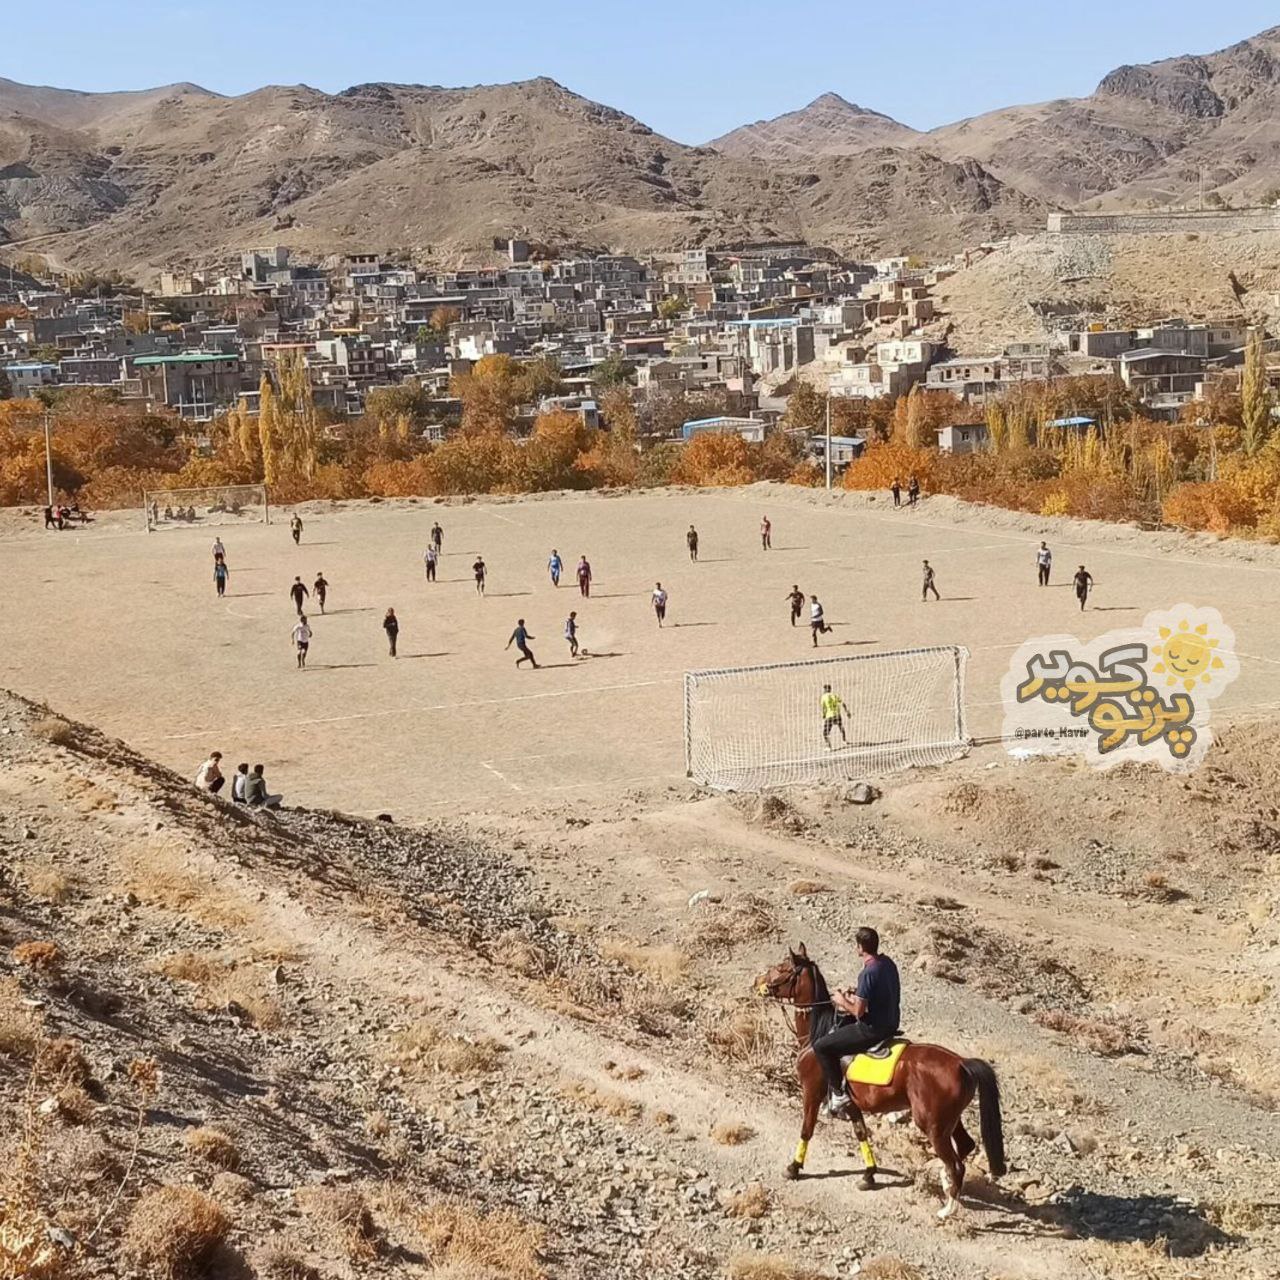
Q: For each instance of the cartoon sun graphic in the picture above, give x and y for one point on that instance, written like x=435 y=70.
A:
x=1187 y=655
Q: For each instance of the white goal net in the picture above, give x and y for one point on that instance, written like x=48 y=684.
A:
x=751 y=728
x=214 y=505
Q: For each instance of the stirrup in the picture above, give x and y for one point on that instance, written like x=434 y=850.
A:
x=838 y=1104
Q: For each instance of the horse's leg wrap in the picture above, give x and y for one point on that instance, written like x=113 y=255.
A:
x=864 y=1143
x=802 y=1150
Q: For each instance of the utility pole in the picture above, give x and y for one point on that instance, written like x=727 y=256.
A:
x=48 y=453
x=828 y=448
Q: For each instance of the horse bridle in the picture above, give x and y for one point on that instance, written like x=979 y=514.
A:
x=770 y=991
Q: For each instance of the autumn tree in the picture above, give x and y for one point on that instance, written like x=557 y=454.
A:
x=715 y=458
x=442 y=318
x=1255 y=396
x=806 y=408
x=268 y=431
x=296 y=414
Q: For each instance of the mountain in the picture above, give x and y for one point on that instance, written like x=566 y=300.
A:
x=182 y=176
x=1145 y=134
x=828 y=126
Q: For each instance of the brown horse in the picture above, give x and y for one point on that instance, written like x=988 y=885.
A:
x=933 y=1083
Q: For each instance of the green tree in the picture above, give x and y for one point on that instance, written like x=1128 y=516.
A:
x=6 y=387
x=806 y=408
x=611 y=372
x=1255 y=396
x=671 y=307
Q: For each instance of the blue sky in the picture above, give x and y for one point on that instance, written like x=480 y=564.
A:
x=690 y=70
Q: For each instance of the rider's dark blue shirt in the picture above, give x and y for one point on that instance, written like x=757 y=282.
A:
x=878 y=986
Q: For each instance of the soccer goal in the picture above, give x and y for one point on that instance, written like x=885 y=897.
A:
x=751 y=728
x=214 y=505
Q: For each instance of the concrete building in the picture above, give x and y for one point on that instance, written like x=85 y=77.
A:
x=197 y=385
x=750 y=429
x=969 y=437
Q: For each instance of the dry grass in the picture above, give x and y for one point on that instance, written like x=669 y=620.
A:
x=610 y=1104
x=21 y=1028
x=54 y=729
x=664 y=964
x=729 y=1133
x=343 y=1214
x=214 y=1146
x=39 y=957
x=424 y=1050
x=499 y=1243
x=514 y=952
x=159 y=878
x=770 y=1266
x=887 y=1267
x=279 y=1262
x=225 y=984
x=26 y=1253
x=46 y=883
x=175 y=1231
x=747 y=1037
x=722 y=926
x=234 y=1188
x=1094 y=1035
x=751 y=1201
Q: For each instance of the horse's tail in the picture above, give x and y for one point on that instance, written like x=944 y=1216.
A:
x=984 y=1077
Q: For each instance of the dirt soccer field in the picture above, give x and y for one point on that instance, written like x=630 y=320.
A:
x=124 y=629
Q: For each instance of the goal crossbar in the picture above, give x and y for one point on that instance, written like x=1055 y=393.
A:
x=754 y=727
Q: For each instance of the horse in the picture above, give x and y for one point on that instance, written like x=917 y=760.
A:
x=933 y=1083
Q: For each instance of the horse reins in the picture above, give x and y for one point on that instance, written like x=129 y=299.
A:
x=783 y=1003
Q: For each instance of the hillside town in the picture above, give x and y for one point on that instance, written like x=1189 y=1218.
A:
x=744 y=327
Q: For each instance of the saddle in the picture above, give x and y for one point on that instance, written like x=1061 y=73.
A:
x=877 y=1065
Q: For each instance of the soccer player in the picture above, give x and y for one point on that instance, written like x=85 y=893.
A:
x=913 y=490
x=766 y=534
x=584 y=577
x=437 y=537
x=896 y=489
x=219 y=549
x=796 y=599
x=321 y=589
x=832 y=716
x=659 y=602
x=220 y=575
x=928 y=584
x=691 y=539
x=301 y=639
x=479 y=570
x=571 y=632
x=817 y=620
x=431 y=558
x=299 y=593
x=295 y=528
x=520 y=637
x=1084 y=584
x=391 y=625
x=1044 y=562
x=555 y=566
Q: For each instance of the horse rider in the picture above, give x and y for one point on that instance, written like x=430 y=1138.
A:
x=871 y=1015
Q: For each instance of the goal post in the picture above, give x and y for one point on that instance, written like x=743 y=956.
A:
x=205 y=507
x=752 y=728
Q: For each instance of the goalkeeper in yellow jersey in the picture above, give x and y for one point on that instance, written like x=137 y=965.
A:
x=832 y=716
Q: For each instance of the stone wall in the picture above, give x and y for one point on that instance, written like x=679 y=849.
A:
x=1102 y=224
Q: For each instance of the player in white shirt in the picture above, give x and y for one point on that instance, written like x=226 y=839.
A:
x=1044 y=563
x=301 y=639
x=817 y=619
x=659 y=602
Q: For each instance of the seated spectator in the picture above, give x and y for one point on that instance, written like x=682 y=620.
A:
x=209 y=776
x=238 y=781
x=255 y=791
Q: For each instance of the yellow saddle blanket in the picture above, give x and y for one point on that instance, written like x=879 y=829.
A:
x=878 y=1070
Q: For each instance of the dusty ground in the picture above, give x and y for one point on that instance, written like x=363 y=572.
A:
x=508 y=1025
x=123 y=629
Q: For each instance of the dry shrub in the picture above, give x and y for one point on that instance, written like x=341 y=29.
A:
x=214 y=1146
x=1106 y=1039
x=751 y=1201
x=54 y=729
x=40 y=957
x=495 y=1243
x=46 y=883
x=887 y=1267
x=730 y=1133
x=664 y=964
x=770 y=1266
x=159 y=879
x=343 y=1215
x=423 y=1050
x=234 y=1188
x=514 y=952
x=175 y=1231
x=721 y=926
x=747 y=1037
x=20 y=1027
x=278 y=1262
x=225 y=984
x=26 y=1252
x=610 y=1104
